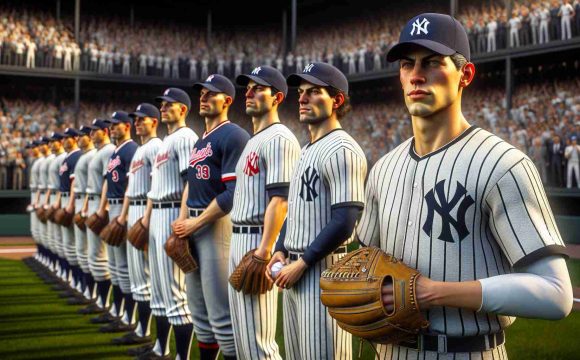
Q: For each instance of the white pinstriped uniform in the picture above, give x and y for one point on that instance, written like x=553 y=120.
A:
x=168 y=297
x=33 y=185
x=267 y=161
x=330 y=172
x=469 y=210
x=139 y=185
x=80 y=187
x=68 y=233
x=45 y=232
x=96 y=177
x=53 y=185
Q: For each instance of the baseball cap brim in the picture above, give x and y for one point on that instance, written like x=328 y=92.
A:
x=243 y=80
x=397 y=51
x=296 y=79
x=210 y=87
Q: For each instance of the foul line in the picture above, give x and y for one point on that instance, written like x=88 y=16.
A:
x=17 y=250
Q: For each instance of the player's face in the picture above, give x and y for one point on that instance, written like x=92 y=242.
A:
x=69 y=143
x=315 y=103
x=55 y=146
x=430 y=81
x=118 y=131
x=259 y=99
x=144 y=125
x=211 y=103
x=84 y=141
x=97 y=136
x=171 y=112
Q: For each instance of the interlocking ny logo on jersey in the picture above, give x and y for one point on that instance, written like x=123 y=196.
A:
x=420 y=27
x=444 y=208
x=252 y=166
x=308 y=187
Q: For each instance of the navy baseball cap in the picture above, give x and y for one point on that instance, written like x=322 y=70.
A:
x=30 y=145
x=84 y=130
x=266 y=76
x=56 y=136
x=440 y=33
x=120 y=117
x=43 y=140
x=99 y=124
x=38 y=142
x=218 y=84
x=70 y=132
x=321 y=74
x=174 y=95
x=146 y=110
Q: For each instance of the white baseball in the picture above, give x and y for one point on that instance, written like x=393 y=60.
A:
x=276 y=269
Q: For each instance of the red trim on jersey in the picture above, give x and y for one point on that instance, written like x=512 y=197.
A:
x=206 y=134
x=228 y=178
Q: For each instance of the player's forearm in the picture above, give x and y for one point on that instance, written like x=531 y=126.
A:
x=71 y=199
x=124 y=208
x=183 y=213
x=148 y=210
x=85 y=204
x=273 y=221
x=58 y=198
x=465 y=294
x=103 y=202
x=47 y=197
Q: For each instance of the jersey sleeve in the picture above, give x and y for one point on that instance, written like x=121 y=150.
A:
x=151 y=154
x=345 y=171
x=128 y=158
x=183 y=150
x=367 y=231
x=280 y=157
x=520 y=216
x=105 y=163
x=232 y=149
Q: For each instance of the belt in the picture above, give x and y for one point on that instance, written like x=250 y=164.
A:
x=64 y=193
x=115 y=201
x=452 y=344
x=166 y=205
x=294 y=256
x=92 y=197
x=138 y=202
x=195 y=212
x=79 y=196
x=248 y=229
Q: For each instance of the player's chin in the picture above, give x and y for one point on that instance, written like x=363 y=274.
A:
x=420 y=109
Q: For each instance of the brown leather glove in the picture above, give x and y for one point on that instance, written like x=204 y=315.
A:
x=114 y=234
x=97 y=223
x=138 y=236
x=63 y=217
x=41 y=214
x=79 y=221
x=178 y=249
x=249 y=276
x=50 y=214
x=351 y=290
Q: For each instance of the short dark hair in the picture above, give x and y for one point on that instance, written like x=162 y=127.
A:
x=459 y=60
x=346 y=107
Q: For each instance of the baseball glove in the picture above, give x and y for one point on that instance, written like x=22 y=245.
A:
x=115 y=233
x=249 y=276
x=178 y=249
x=351 y=289
x=41 y=214
x=79 y=220
x=50 y=213
x=97 y=223
x=63 y=217
x=138 y=236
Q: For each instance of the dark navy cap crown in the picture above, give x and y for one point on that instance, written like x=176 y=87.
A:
x=70 y=132
x=99 y=124
x=37 y=142
x=265 y=76
x=146 y=110
x=44 y=140
x=440 y=33
x=84 y=130
x=174 y=95
x=120 y=117
x=321 y=74
x=218 y=84
x=55 y=136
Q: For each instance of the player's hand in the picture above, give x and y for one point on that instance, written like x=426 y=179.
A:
x=70 y=209
x=423 y=291
x=277 y=257
x=184 y=228
x=122 y=220
x=55 y=207
x=262 y=253
x=101 y=213
x=290 y=274
x=145 y=223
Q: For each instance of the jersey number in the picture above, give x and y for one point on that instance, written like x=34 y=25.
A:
x=115 y=176
x=202 y=172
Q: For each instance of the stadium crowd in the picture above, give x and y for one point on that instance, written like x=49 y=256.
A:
x=108 y=45
x=545 y=118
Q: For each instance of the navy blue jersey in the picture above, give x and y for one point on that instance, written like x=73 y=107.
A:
x=213 y=163
x=67 y=168
x=118 y=169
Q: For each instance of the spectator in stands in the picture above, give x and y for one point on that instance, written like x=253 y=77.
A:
x=572 y=154
x=556 y=160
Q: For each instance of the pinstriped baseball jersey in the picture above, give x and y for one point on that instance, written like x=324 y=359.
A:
x=81 y=171
x=330 y=173
x=98 y=169
x=140 y=171
x=43 y=174
x=54 y=171
x=172 y=161
x=267 y=161
x=34 y=175
x=470 y=210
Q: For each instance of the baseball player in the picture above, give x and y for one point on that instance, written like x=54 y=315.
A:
x=112 y=196
x=34 y=152
x=566 y=14
x=168 y=177
x=207 y=201
x=260 y=204
x=462 y=206
x=324 y=200
x=145 y=118
x=40 y=200
x=79 y=187
x=66 y=201
x=97 y=251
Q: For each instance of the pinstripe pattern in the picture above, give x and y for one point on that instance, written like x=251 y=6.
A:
x=253 y=317
x=507 y=219
x=54 y=184
x=273 y=152
x=68 y=238
x=81 y=242
x=82 y=172
x=33 y=181
x=45 y=234
x=138 y=261
x=118 y=267
x=55 y=233
x=141 y=167
x=168 y=296
x=98 y=169
x=399 y=352
x=97 y=248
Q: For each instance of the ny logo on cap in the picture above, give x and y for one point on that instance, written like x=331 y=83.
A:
x=66 y=130
x=138 y=107
x=257 y=70
x=421 y=27
x=209 y=78
x=308 y=68
x=94 y=121
x=166 y=92
x=114 y=114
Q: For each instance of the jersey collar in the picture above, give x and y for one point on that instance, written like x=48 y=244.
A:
x=123 y=144
x=206 y=134
x=416 y=157
x=72 y=152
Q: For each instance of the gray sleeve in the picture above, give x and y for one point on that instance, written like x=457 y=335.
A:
x=540 y=290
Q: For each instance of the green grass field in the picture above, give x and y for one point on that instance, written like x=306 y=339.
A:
x=36 y=324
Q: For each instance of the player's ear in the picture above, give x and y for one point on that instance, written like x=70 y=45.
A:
x=278 y=98
x=338 y=100
x=228 y=100
x=183 y=110
x=468 y=73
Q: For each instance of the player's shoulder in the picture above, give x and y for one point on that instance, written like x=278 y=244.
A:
x=277 y=132
x=231 y=129
x=340 y=140
x=182 y=133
